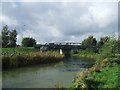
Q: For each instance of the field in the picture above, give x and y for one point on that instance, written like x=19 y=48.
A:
x=20 y=50
x=17 y=57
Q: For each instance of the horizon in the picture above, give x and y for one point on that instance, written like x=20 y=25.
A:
x=60 y=21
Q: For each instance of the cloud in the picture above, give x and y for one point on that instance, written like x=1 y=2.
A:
x=60 y=21
x=6 y=20
x=60 y=0
x=102 y=14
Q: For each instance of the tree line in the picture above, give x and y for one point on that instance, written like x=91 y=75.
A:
x=92 y=43
x=9 y=38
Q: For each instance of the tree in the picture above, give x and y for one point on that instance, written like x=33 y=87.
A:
x=118 y=45
x=12 y=38
x=8 y=37
x=28 y=42
x=90 y=41
x=5 y=36
x=0 y=40
x=103 y=40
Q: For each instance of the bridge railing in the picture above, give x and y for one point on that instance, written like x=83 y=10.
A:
x=66 y=46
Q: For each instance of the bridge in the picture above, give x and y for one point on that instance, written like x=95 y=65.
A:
x=65 y=48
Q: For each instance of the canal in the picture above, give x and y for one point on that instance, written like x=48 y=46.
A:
x=45 y=76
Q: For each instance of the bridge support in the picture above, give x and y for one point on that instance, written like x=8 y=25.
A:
x=61 y=51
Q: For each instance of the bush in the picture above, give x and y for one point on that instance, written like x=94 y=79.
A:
x=28 y=42
x=104 y=74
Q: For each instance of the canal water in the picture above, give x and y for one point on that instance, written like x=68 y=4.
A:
x=45 y=76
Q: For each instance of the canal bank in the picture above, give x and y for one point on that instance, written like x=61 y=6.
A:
x=45 y=76
x=22 y=57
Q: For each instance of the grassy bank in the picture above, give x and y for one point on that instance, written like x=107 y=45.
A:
x=105 y=73
x=18 y=57
x=86 y=54
x=98 y=78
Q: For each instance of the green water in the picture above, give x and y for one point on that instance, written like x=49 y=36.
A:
x=45 y=76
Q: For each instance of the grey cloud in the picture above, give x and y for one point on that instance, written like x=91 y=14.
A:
x=61 y=21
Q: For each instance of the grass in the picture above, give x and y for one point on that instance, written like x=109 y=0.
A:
x=20 y=50
x=108 y=77
x=86 y=54
x=18 y=57
x=105 y=73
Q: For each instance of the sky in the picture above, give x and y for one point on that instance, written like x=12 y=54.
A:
x=60 y=21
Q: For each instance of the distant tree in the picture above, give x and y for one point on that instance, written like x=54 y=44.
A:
x=118 y=44
x=0 y=40
x=5 y=36
x=12 y=38
x=28 y=42
x=8 y=37
x=90 y=41
x=103 y=40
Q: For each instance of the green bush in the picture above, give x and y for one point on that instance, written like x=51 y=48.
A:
x=108 y=76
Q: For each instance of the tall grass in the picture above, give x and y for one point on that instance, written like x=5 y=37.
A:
x=21 y=50
x=12 y=58
x=88 y=53
x=104 y=74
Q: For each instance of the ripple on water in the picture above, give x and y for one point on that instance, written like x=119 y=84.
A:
x=41 y=76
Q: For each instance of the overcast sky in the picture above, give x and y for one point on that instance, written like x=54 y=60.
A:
x=60 y=21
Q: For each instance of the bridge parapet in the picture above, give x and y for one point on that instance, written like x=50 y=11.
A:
x=64 y=46
x=64 y=43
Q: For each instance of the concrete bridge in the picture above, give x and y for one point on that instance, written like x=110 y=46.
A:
x=65 y=48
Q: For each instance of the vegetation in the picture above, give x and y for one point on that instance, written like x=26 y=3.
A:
x=8 y=37
x=0 y=40
x=21 y=50
x=108 y=78
x=97 y=79
x=105 y=73
x=88 y=53
x=17 y=57
x=13 y=56
x=90 y=41
x=103 y=40
x=28 y=42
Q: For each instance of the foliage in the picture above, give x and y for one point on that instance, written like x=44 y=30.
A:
x=88 y=53
x=105 y=72
x=0 y=40
x=28 y=42
x=90 y=41
x=21 y=50
x=103 y=40
x=17 y=57
x=5 y=36
x=13 y=39
x=118 y=44
x=98 y=80
x=107 y=77
x=8 y=37
x=108 y=50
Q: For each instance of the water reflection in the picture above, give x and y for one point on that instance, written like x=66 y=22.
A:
x=45 y=76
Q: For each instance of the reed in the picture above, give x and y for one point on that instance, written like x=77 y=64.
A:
x=104 y=74
x=19 y=59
